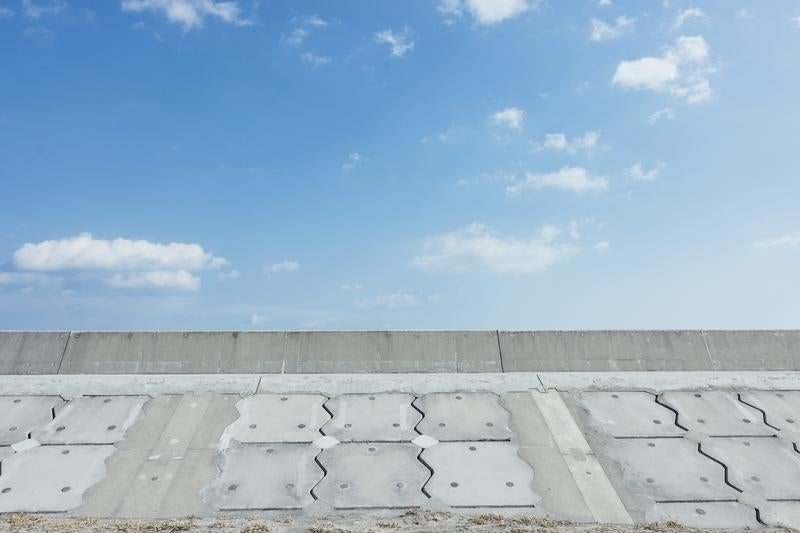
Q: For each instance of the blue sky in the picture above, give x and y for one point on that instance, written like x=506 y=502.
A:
x=437 y=164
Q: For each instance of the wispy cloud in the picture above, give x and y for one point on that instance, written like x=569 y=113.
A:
x=37 y=10
x=190 y=14
x=353 y=160
x=400 y=42
x=573 y=179
x=230 y=274
x=158 y=279
x=315 y=20
x=442 y=136
x=560 y=143
x=314 y=60
x=791 y=240
x=686 y=15
x=390 y=301
x=667 y=113
x=637 y=172
x=484 y=12
x=282 y=266
x=296 y=37
x=509 y=118
x=683 y=70
x=477 y=248
x=603 y=31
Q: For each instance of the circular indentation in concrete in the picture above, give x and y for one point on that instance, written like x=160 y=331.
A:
x=61 y=428
x=472 y=448
x=112 y=427
x=66 y=489
x=290 y=486
x=64 y=452
x=701 y=421
x=301 y=426
x=154 y=478
x=509 y=483
x=656 y=421
x=372 y=397
x=698 y=395
x=459 y=397
x=588 y=472
x=489 y=424
x=442 y=424
x=454 y=484
x=779 y=395
x=252 y=426
x=232 y=487
x=790 y=420
x=745 y=443
x=650 y=480
x=704 y=479
x=615 y=395
x=16 y=401
x=755 y=478
x=344 y=486
x=5 y=490
x=651 y=444
x=395 y=425
x=700 y=511
x=348 y=425
x=746 y=420
x=400 y=485
x=284 y=398
x=107 y=400
x=269 y=450
x=371 y=449
x=13 y=428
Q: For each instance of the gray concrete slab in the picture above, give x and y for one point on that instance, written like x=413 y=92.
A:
x=372 y=417
x=669 y=469
x=50 y=478
x=628 y=414
x=31 y=352
x=716 y=413
x=782 y=409
x=279 y=418
x=561 y=499
x=372 y=475
x=92 y=420
x=667 y=381
x=782 y=514
x=766 y=467
x=19 y=415
x=754 y=350
x=479 y=474
x=585 y=351
x=263 y=477
x=705 y=515
x=463 y=416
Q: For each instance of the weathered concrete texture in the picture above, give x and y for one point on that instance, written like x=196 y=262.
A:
x=50 y=478
x=592 y=351
x=463 y=416
x=92 y=420
x=372 y=417
x=705 y=515
x=766 y=467
x=372 y=475
x=782 y=409
x=716 y=413
x=629 y=414
x=19 y=415
x=267 y=476
x=782 y=514
x=754 y=350
x=479 y=474
x=31 y=352
x=670 y=469
x=274 y=352
x=279 y=418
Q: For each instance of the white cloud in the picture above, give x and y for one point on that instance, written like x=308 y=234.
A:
x=37 y=10
x=796 y=21
x=353 y=160
x=256 y=319
x=190 y=14
x=450 y=10
x=684 y=15
x=26 y=278
x=667 y=113
x=476 y=248
x=283 y=266
x=494 y=11
x=352 y=287
x=5 y=12
x=231 y=274
x=682 y=70
x=84 y=252
x=510 y=117
x=744 y=14
x=297 y=37
x=159 y=279
x=575 y=179
x=314 y=60
x=559 y=143
x=603 y=31
x=602 y=246
x=442 y=136
x=636 y=171
x=604 y=3
x=390 y=301
x=315 y=20
x=401 y=42
x=787 y=241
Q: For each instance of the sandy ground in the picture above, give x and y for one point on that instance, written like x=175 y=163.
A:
x=410 y=521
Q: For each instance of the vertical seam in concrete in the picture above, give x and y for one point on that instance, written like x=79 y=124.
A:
x=708 y=350
x=64 y=353
x=499 y=350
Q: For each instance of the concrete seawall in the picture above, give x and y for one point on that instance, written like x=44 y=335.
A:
x=395 y=352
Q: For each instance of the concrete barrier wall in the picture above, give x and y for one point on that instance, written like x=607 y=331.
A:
x=31 y=352
x=396 y=352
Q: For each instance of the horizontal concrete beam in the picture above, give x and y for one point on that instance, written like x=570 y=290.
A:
x=396 y=352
